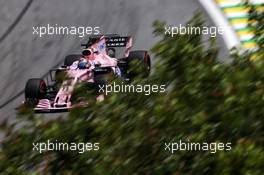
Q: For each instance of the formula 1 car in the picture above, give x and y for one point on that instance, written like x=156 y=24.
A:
x=56 y=94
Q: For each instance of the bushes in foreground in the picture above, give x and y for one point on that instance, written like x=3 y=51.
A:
x=205 y=101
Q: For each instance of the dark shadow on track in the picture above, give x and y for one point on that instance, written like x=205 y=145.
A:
x=13 y=25
x=7 y=32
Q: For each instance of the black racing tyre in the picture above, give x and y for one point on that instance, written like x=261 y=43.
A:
x=69 y=59
x=139 y=63
x=35 y=89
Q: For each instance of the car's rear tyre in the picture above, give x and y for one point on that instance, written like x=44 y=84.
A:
x=139 y=64
x=35 y=90
x=69 y=59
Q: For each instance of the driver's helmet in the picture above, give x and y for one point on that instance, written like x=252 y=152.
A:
x=82 y=64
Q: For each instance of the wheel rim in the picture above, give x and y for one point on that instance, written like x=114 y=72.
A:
x=42 y=89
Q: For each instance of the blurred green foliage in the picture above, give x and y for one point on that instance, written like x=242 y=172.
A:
x=257 y=20
x=205 y=101
x=256 y=17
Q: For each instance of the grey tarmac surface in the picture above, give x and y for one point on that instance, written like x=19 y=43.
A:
x=24 y=55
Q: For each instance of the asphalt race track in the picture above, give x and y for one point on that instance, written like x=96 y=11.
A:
x=24 y=55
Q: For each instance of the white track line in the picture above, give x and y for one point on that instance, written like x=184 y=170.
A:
x=219 y=20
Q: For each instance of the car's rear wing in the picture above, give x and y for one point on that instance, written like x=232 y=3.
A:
x=111 y=40
x=117 y=41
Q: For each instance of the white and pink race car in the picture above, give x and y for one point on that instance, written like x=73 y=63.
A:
x=99 y=58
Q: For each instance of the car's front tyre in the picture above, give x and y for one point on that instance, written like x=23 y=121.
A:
x=35 y=90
